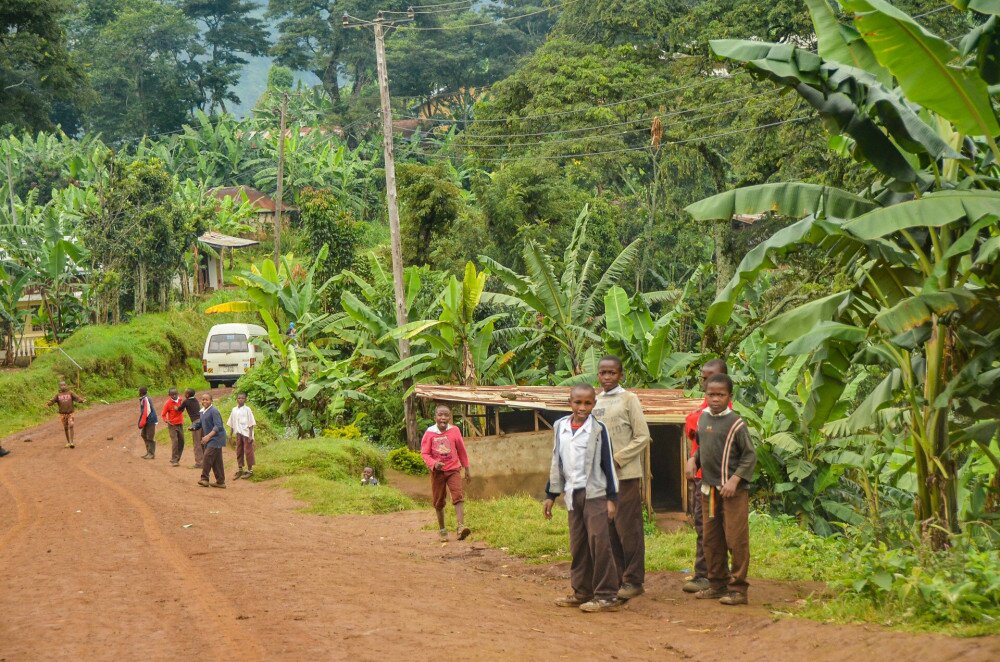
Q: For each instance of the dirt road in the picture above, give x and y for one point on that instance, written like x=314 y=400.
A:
x=107 y=556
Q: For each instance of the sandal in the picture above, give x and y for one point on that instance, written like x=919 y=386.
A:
x=443 y=535
x=463 y=533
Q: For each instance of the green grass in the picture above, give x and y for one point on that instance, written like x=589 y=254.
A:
x=779 y=549
x=852 y=608
x=266 y=432
x=326 y=473
x=158 y=350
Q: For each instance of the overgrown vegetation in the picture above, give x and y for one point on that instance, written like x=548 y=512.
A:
x=407 y=461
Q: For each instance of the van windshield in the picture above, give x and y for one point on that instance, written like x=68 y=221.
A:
x=224 y=343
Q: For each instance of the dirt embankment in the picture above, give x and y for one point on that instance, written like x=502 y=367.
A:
x=106 y=556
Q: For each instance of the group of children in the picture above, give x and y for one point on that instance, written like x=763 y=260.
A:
x=208 y=434
x=598 y=466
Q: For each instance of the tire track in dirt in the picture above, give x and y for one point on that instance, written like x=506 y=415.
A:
x=24 y=512
x=213 y=607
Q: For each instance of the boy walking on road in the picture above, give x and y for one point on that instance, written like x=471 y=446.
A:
x=621 y=412
x=583 y=471
x=66 y=400
x=173 y=414
x=727 y=458
x=443 y=450
x=147 y=423
x=241 y=425
x=214 y=439
x=191 y=405
x=699 y=580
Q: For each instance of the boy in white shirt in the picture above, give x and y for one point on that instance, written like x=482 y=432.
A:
x=583 y=470
x=241 y=424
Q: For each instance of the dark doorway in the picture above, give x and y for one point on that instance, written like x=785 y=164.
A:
x=665 y=468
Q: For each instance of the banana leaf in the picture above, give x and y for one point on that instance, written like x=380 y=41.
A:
x=792 y=199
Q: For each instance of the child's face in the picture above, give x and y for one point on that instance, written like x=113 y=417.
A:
x=718 y=397
x=63 y=387
x=442 y=416
x=206 y=401
x=706 y=373
x=609 y=375
x=368 y=473
x=241 y=399
x=581 y=403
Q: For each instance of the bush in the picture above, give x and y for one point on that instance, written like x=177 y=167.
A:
x=330 y=459
x=407 y=461
x=258 y=384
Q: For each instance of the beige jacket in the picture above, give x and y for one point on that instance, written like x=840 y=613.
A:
x=621 y=413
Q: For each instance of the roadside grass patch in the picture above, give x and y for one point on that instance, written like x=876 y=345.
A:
x=326 y=473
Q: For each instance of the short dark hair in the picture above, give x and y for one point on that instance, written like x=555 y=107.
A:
x=582 y=386
x=721 y=378
x=717 y=364
x=189 y=392
x=614 y=359
x=442 y=405
x=143 y=390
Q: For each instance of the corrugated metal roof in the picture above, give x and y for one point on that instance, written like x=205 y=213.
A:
x=258 y=199
x=659 y=405
x=225 y=241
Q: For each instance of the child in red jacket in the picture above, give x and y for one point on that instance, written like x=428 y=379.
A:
x=443 y=450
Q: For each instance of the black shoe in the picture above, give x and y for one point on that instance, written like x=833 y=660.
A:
x=4 y=451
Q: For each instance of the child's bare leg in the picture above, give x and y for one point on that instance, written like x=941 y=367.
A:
x=460 y=514
x=440 y=516
x=68 y=431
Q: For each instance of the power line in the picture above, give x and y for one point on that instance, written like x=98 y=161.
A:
x=476 y=25
x=415 y=10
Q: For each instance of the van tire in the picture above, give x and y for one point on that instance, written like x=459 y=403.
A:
x=212 y=385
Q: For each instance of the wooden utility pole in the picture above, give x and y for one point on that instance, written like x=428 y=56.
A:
x=394 y=234
x=281 y=179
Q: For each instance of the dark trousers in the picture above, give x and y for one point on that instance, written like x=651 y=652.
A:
x=628 y=541
x=592 y=573
x=728 y=531
x=147 y=434
x=196 y=445
x=700 y=567
x=244 y=449
x=212 y=461
x=176 y=434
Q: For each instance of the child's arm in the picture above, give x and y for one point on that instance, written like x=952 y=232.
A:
x=640 y=433
x=611 y=479
x=253 y=423
x=77 y=398
x=425 y=451
x=554 y=486
x=748 y=459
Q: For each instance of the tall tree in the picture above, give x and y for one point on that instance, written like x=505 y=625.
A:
x=228 y=30
x=36 y=70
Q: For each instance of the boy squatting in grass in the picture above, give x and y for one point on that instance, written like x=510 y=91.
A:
x=583 y=471
x=727 y=458
x=241 y=424
x=699 y=580
x=443 y=451
x=621 y=412
x=65 y=399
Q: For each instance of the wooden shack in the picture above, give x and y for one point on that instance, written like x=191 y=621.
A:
x=508 y=432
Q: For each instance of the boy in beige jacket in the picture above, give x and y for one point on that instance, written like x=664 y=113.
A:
x=621 y=412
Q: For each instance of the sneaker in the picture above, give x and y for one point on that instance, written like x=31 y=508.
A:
x=72 y=445
x=463 y=533
x=238 y=475
x=696 y=584
x=606 y=604
x=248 y=474
x=68 y=445
x=571 y=601
x=175 y=464
x=196 y=466
x=148 y=457
x=4 y=451
x=629 y=591
x=710 y=593
x=734 y=598
x=221 y=486
x=443 y=535
x=203 y=483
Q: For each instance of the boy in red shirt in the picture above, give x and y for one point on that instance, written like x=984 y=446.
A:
x=443 y=450
x=173 y=414
x=699 y=581
x=65 y=399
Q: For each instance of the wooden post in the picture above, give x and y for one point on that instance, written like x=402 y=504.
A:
x=281 y=178
x=409 y=411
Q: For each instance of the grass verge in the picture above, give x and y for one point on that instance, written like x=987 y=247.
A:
x=326 y=473
x=158 y=350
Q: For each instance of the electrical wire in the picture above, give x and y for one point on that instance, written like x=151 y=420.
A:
x=416 y=10
x=477 y=25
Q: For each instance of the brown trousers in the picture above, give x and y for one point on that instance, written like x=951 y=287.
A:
x=728 y=531
x=212 y=461
x=592 y=572
x=176 y=434
x=199 y=449
x=700 y=566
x=147 y=433
x=628 y=541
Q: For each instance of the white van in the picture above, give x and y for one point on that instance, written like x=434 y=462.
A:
x=230 y=350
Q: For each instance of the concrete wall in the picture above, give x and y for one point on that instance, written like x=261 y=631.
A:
x=511 y=464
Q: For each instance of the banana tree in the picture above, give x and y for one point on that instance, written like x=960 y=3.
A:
x=12 y=318
x=455 y=348
x=567 y=307
x=919 y=248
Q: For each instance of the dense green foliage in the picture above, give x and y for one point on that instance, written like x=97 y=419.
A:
x=407 y=461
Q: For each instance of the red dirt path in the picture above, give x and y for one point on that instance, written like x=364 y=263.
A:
x=96 y=563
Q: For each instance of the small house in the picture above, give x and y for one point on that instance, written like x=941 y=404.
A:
x=209 y=273
x=265 y=208
x=508 y=432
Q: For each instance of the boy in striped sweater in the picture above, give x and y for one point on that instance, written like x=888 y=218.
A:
x=726 y=457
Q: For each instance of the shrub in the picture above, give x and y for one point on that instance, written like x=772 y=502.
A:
x=331 y=459
x=258 y=384
x=407 y=461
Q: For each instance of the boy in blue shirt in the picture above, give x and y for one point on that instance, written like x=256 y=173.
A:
x=213 y=436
